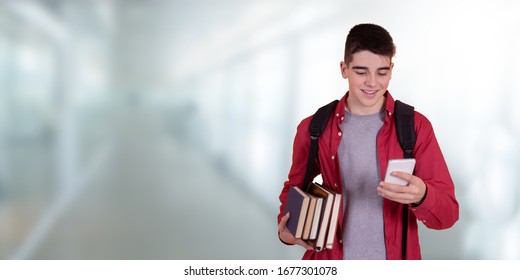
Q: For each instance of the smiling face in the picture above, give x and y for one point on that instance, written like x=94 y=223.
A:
x=368 y=77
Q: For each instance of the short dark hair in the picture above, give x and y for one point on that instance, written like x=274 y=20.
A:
x=368 y=37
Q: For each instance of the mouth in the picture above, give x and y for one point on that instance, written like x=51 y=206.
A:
x=369 y=92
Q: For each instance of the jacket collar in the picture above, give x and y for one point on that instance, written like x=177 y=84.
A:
x=390 y=104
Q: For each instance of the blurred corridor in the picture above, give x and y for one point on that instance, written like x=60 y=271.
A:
x=162 y=129
x=146 y=199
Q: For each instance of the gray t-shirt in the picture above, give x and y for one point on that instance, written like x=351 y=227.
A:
x=363 y=228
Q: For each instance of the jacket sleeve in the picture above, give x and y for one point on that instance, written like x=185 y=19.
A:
x=440 y=209
x=299 y=162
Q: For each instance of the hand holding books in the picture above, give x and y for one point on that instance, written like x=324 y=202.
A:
x=313 y=217
x=287 y=237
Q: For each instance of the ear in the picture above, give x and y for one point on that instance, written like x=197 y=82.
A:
x=343 y=67
x=391 y=68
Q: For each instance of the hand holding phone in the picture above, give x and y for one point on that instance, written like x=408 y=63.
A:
x=404 y=165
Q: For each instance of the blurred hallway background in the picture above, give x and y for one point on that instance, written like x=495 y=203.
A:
x=163 y=129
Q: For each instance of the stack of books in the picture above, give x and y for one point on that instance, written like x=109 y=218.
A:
x=314 y=215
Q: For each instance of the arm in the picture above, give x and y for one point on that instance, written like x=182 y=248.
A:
x=295 y=178
x=431 y=187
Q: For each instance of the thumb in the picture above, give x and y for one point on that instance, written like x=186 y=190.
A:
x=283 y=221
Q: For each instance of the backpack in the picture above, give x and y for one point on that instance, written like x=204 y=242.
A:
x=403 y=115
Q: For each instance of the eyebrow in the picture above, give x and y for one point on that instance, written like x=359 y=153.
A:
x=366 y=68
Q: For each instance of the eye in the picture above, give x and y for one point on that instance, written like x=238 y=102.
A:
x=361 y=72
x=382 y=73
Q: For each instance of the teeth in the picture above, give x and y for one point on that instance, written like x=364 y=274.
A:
x=369 y=91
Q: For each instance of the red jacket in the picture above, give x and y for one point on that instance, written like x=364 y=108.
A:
x=440 y=209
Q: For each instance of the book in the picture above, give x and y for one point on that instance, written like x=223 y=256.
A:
x=316 y=219
x=311 y=211
x=328 y=200
x=331 y=234
x=297 y=204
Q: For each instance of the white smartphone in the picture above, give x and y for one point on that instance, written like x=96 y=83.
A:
x=404 y=165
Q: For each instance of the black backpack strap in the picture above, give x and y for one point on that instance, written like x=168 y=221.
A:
x=403 y=115
x=317 y=126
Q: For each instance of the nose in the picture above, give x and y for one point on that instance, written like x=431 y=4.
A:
x=370 y=80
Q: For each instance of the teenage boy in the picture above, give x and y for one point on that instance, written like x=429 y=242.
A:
x=353 y=156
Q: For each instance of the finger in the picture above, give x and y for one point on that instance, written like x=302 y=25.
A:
x=283 y=222
x=304 y=244
x=393 y=188
x=287 y=236
x=403 y=175
x=401 y=197
x=416 y=185
x=286 y=217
